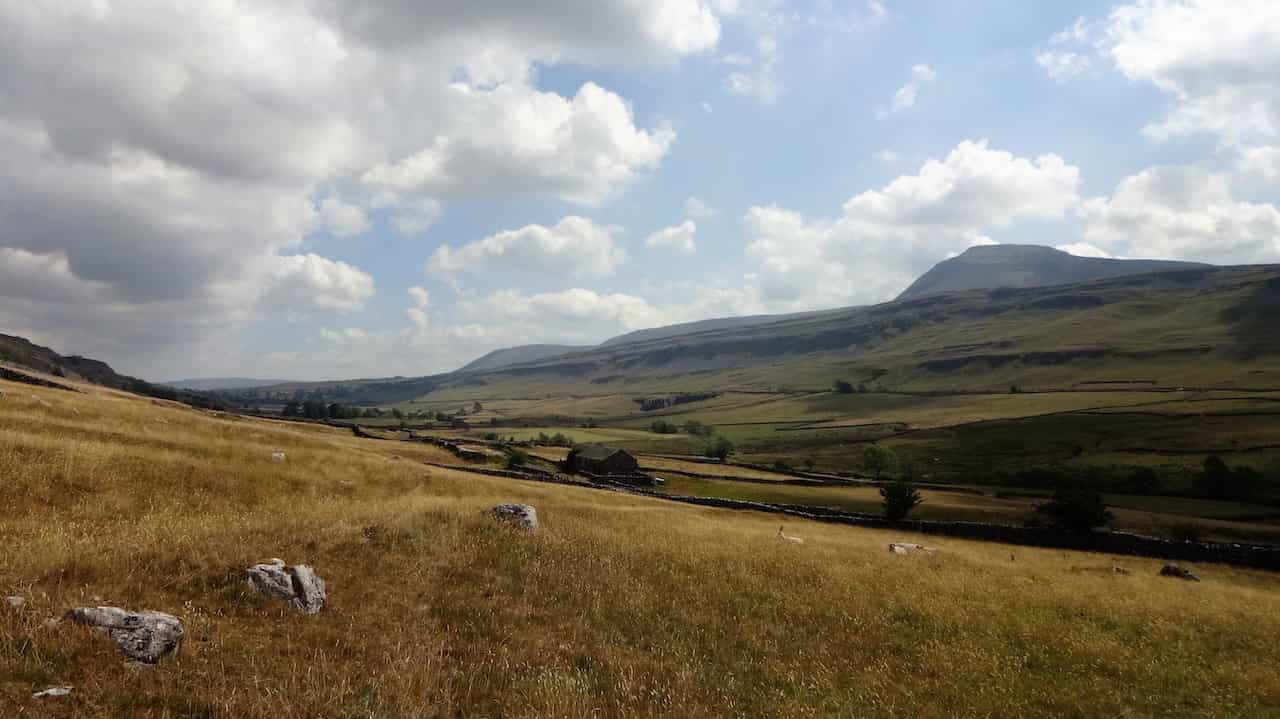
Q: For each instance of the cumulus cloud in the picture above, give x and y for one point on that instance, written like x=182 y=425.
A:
x=574 y=246
x=905 y=96
x=884 y=238
x=514 y=141
x=306 y=283
x=208 y=154
x=1216 y=60
x=343 y=219
x=1182 y=213
x=677 y=238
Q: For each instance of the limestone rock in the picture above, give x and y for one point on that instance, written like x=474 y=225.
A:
x=52 y=692
x=278 y=456
x=144 y=637
x=907 y=548
x=15 y=602
x=1178 y=572
x=523 y=516
x=298 y=584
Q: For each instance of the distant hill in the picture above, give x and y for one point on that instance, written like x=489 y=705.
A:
x=517 y=355
x=207 y=384
x=20 y=352
x=719 y=323
x=1203 y=326
x=992 y=266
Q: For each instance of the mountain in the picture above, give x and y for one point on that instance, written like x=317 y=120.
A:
x=990 y=266
x=23 y=353
x=206 y=384
x=983 y=267
x=1203 y=326
x=517 y=355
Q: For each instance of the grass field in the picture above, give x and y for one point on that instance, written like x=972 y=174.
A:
x=436 y=611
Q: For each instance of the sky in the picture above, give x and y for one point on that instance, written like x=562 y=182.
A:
x=308 y=189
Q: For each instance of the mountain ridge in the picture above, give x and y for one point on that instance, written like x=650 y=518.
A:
x=992 y=266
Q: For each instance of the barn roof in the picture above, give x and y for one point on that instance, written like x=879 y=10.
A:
x=598 y=452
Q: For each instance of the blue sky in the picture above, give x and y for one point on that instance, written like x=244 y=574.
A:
x=261 y=199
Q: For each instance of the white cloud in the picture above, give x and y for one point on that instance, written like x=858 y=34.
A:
x=511 y=140
x=677 y=238
x=304 y=283
x=696 y=209
x=343 y=219
x=421 y=298
x=1062 y=65
x=1217 y=60
x=1182 y=213
x=208 y=152
x=758 y=76
x=574 y=246
x=905 y=96
x=1259 y=165
x=887 y=156
x=1084 y=249
x=885 y=238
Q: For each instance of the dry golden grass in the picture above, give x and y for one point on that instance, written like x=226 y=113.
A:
x=618 y=606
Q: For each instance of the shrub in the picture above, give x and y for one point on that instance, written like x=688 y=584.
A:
x=1144 y=480
x=899 y=498
x=697 y=429
x=878 y=460
x=1075 y=510
x=841 y=386
x=720 y=448
x=516 y=458
x=661 y=426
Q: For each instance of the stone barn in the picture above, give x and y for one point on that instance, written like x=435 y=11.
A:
x=601 y=460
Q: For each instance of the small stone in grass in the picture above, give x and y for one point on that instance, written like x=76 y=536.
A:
x=523 y=516
x=52 y=692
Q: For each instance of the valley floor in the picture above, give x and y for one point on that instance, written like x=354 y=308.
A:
x=618 y=605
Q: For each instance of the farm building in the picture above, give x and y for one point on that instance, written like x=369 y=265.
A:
x=597 y=459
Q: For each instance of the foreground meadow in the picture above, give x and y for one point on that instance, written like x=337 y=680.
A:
x=617 y=606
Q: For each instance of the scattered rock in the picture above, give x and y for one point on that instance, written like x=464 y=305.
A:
x=15 y=602
x=1178 y=572
x=905 y=548
x=144 y=637
x=789 y=538
x=278 y=456
x=1119 y=570
x=523 y=516
x=297 y=584
x=52 y=692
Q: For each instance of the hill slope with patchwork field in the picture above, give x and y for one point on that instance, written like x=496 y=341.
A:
x=616 y=606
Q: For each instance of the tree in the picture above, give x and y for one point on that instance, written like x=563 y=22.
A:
x=476 y=408
x=720 y=448
x=1075 y=510
x=1220 y=481
x=697 y=429
x=878 y=460
x=841 y=386
x=293 y=409
x=1144 y=480
x=899 y=498
x=661 y=426
x=516 y=458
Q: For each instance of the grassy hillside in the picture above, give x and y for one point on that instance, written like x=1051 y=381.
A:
x=618 y=606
